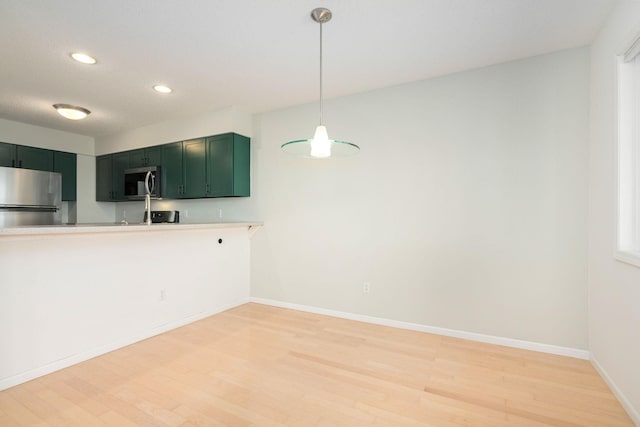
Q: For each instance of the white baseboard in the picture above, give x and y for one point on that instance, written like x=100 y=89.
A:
x=509 y=342
x=23 y=377
x=633 y=413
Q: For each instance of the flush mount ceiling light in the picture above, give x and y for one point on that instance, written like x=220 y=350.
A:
x=84 y=58
x=320 y=147
x=162 y=89
x=71 y=111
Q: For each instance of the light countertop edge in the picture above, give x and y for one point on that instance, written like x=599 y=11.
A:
x=120 y=228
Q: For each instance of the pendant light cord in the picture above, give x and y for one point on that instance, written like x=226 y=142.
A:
x=321 y=101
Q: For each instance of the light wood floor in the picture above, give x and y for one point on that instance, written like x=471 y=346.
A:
x=263 y=366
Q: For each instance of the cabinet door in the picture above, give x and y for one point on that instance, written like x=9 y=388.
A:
x=228 y=166
x=65 y=164
x=194 y=164
x=120 y=163
x=104 y=178
x=136 y=158
x=153 y=156
x=220 y=166
x=172 y=176
x=7 y=155
x=35 y=158
x=145 y=157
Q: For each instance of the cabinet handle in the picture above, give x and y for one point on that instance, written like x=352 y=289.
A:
x=206 y=188
x=13 y=163
x=20 y=164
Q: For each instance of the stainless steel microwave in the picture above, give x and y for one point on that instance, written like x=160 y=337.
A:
x=137 y=181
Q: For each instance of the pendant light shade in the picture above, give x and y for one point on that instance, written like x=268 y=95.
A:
x=320 y=147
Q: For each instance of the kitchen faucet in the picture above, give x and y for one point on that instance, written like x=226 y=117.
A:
x=147 y=198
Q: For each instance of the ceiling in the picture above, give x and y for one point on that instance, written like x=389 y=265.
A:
x=256 y=55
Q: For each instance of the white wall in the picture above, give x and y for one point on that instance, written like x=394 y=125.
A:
x=466 y=208
x=614 y=287
x=67 y=298
x=52 y=139
x=211 y=123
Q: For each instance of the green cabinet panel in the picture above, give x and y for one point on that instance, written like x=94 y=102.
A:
x=104 y=178
x=172 y=176
x=194 y=166
x=34 y=158
x=120 y=162
x=66 y=165
x=151 y=156
x=7 y=155
x=228 y=167
x=110 y=176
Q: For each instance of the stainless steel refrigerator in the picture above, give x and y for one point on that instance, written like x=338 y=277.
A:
x=29 y=197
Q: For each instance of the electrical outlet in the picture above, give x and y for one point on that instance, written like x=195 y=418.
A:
x=366 y=287
x=219 y=213
x=163 y=295
x=186 y=213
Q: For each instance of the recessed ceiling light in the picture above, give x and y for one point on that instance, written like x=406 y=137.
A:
x=84 y=58
x=162 y=89
x=71 y=111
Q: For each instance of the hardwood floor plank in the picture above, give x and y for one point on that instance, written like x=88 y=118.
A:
x=257 y=365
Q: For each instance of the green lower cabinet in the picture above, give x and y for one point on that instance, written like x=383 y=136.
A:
x=7 y=155
x=66 y=165
x=34 y=158
x=228 y=166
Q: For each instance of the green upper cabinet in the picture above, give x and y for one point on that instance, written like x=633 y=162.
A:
x=66 y=165
x=215 y=166
x=151 y=156
x=7 y=155
x=194 y=166
x=34 y=158
x=172 y=176
x=20 y=156
x=120 y=162
x=228 y=166
x=110 y=176
x=104 y=178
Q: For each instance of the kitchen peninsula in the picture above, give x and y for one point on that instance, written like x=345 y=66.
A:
x=69 y=293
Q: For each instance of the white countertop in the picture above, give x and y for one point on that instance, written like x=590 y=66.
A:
x=120 y=228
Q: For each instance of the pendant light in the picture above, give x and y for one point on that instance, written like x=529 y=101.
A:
x=320 y=147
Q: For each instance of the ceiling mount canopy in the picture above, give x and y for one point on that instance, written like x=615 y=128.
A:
x=320 y=147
